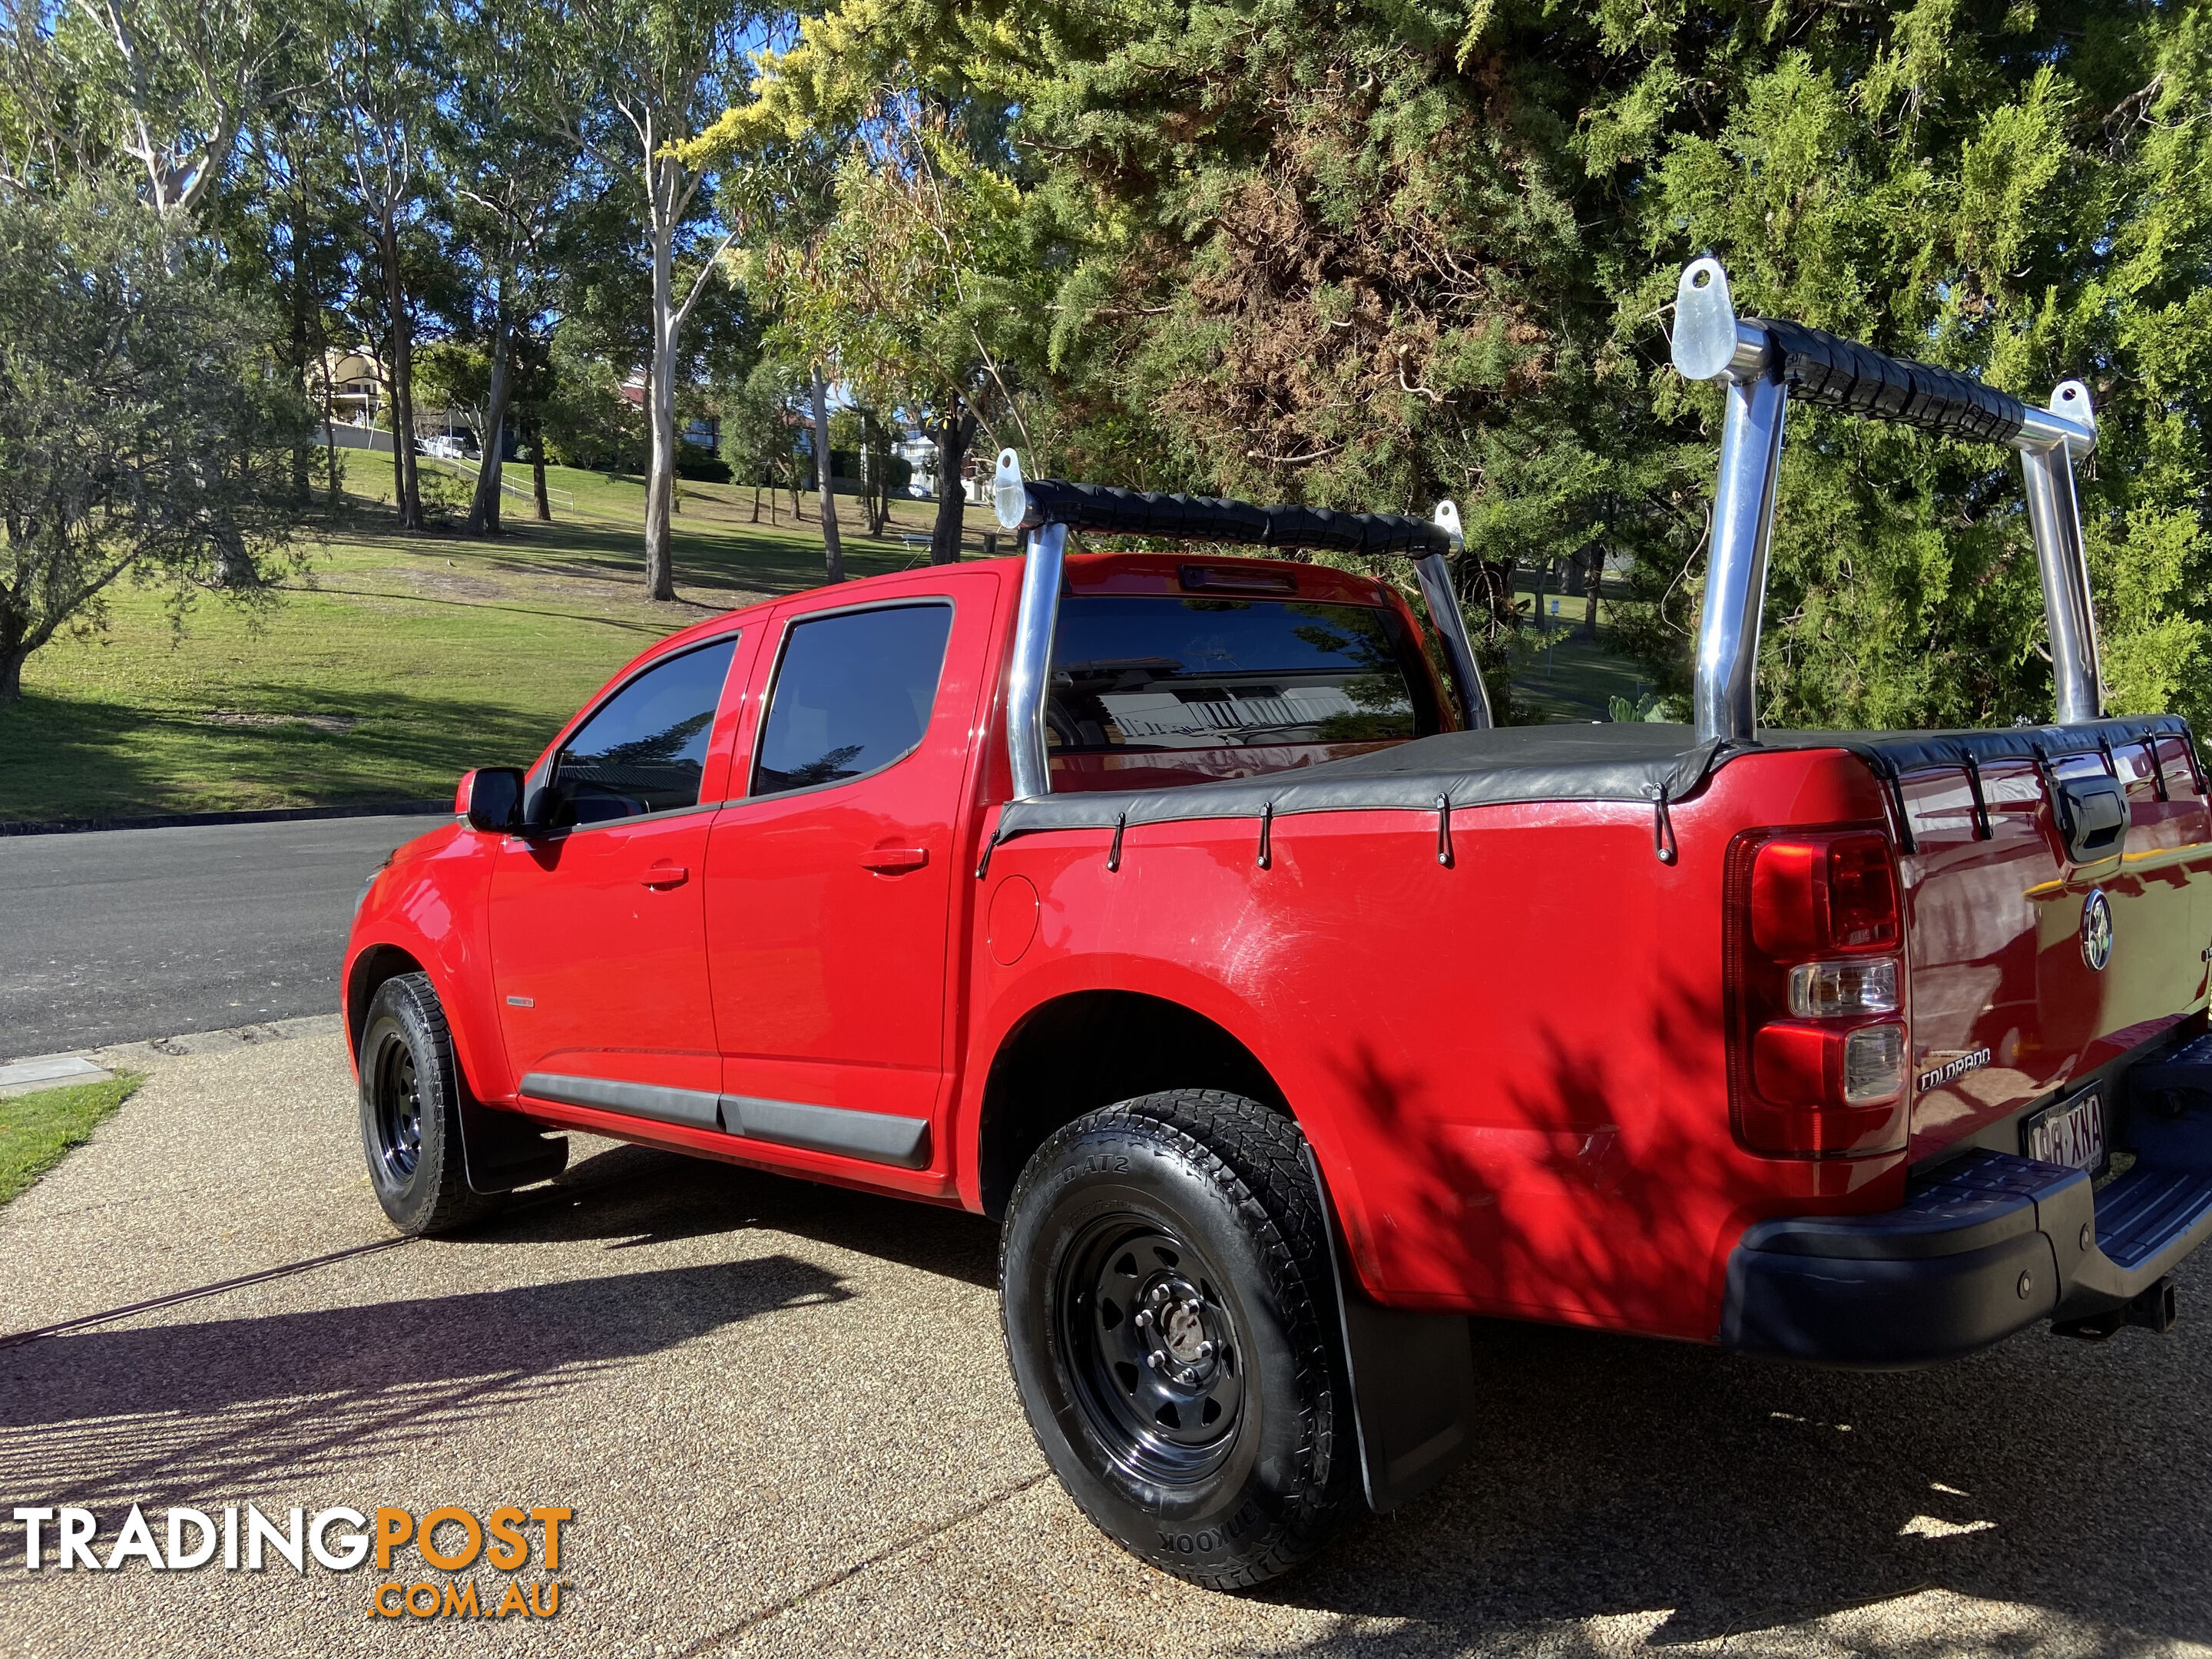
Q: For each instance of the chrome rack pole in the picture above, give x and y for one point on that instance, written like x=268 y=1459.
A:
x=1028 y=679
x=1434 y=574
x=2047 y=444
x=1710 y=343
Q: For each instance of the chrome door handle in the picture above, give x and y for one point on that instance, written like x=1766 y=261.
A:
x=894 y=861
x=665 y=875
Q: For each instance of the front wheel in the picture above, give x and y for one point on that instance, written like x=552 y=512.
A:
x=1170 y=1320
x=410 y=1111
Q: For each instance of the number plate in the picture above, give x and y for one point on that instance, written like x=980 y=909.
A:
x=2071 y=1133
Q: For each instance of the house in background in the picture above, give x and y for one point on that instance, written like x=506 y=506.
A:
x=705 y=430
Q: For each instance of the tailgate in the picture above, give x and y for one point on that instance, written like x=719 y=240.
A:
x=2032 y=963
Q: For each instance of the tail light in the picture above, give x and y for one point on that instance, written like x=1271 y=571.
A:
x=1818 y=1041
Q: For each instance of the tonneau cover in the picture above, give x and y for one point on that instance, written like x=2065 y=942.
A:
x=1638 y=760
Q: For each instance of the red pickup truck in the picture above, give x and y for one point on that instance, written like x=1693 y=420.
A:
x=1184 y=911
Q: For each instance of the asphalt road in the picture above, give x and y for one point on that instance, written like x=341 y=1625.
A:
x=782 y=1418
x=117 y=936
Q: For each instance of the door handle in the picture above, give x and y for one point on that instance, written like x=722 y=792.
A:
x=665 y=874
x=894 y=861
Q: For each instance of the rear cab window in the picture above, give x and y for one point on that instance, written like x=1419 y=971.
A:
x=1201 y=679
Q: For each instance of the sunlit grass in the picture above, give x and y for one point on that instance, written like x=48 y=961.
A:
x=37 y=1130
x=399 y=661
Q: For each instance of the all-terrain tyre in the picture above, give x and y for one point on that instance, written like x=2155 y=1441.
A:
x=410 y=1111
x=1171 y=1317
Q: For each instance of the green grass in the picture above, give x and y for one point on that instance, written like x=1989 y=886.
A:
x=37 y=1130
x=399 y=661
x=1576 y=678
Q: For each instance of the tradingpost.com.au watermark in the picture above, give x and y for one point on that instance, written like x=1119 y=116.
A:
x=446 y=1540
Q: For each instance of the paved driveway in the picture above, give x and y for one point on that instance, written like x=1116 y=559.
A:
x=115 y=936
x=780 y=1414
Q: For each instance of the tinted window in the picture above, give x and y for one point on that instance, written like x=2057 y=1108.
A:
x=643 y=749
x=854 y=693
x=1149 y=690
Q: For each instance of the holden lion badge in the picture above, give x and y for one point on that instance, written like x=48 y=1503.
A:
x=2097 y=929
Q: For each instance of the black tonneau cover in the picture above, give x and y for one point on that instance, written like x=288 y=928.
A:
x=1635 y=760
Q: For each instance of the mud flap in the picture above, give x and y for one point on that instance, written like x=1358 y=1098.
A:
x=501 y=1150
x=1412 y=1381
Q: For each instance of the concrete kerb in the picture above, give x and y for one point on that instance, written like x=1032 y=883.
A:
x=36 y=1072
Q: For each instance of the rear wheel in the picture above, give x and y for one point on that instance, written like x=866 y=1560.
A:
x=410 y=1108
x=1170 y=1320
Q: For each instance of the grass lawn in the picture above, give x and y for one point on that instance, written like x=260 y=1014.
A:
x=399 y=661
x=1577 y=677
x=37 y=1129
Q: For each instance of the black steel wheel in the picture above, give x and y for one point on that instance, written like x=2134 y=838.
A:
x=397 y=1088
x=411 y=1107
x=1153 y=1348
x=1170 y=1320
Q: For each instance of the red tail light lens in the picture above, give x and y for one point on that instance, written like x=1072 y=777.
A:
x=1817 y=1046
x=1816 y=896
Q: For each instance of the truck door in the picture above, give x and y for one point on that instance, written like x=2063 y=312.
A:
x=597 y=931
x=831 y=885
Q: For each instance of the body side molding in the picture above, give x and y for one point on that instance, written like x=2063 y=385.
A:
x=877 y=1137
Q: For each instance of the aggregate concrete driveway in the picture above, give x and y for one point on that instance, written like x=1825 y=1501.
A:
x=780 y=1414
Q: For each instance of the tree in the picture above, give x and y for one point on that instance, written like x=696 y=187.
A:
x=144 y=431
x=164 y=86
x=641 y=78
x=921 y=285
x=384 y=90
x=511 y=177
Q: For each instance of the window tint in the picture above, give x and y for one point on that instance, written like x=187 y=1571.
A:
x=644 y=747
x=1153 y=691
x=854 y=694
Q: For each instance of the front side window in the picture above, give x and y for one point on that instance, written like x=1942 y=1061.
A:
x=645 y=748
x=853 y=695
x=1154 y=691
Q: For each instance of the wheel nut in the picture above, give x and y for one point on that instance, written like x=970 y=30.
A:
x=1189 y=1377
x=1156 y=1361
x=1144 y=1319
x=1205 y=1350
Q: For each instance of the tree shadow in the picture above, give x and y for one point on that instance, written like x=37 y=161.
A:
x=164 y=1413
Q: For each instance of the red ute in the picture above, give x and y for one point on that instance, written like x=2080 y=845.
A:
x=1180 y=910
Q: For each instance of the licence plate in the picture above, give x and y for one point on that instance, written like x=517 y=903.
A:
x=2072 y=1133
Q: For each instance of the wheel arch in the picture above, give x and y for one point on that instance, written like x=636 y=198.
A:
x=1085 y=1049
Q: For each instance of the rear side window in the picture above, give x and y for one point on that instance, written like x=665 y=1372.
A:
x=853 y=695
x=1154 y=691
x=643 y=749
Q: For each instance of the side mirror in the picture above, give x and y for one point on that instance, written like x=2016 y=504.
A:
x=489 y=799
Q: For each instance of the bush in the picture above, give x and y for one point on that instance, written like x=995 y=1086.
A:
x=695 y=464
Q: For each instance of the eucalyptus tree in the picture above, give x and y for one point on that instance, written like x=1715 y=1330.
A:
x=511 y=177
x=383 y=83
x=640 y=80
x=163 y=88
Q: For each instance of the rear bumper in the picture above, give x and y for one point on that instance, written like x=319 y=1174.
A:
x=1989 y=1245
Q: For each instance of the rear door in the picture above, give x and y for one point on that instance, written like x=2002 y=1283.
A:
x=598 y=927
x=831 y=885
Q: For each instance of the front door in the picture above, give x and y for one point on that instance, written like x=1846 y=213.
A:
x=598 y=924
x=831 y=887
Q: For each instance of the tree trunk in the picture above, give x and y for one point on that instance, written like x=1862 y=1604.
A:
x=868 y=485
x=1591 y=584
x=484 y=511
x=534 y=433
x=11 y=674
x=833 y=550
x=302 y=461
x=402 y=387
x=755 y=503
x=660 y=382
x=953 y=432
